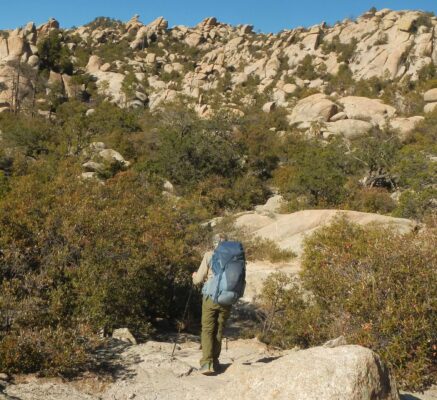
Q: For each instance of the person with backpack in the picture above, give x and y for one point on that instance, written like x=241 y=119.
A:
x=224 y=271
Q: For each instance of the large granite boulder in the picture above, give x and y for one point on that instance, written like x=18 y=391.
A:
x=320 y=373
x=317 y=107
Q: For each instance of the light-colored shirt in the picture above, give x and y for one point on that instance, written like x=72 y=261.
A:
x=204 y=271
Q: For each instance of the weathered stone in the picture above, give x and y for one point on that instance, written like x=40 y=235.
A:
x=407 y=22
x=288 y=231
x=371 y=110
x=4 y=52
x=110 y=155
x=16 y=45
x=269 y=107
x=150 y=58
x=430 y=96
x=92 y=166
x=430 y=107
x=339 y=116
x=94 y=64
x=340 y=373
x=194 y=39
x=317 y=107
x=105 y=67
x=405 y=126
x=124 y=335
x=158 y=24
x=168 y=186
x=272 y=205
x=349 y=128
x=289 y=88
x=33 y=60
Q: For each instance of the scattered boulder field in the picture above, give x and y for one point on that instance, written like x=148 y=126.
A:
x=164 y=63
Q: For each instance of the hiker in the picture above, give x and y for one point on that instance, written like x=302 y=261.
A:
x=224 y=271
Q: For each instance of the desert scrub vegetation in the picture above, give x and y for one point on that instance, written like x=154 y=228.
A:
x=345 y=51
x=376 y=287
x=76 y=253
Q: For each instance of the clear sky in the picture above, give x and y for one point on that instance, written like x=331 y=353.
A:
x=265 y=15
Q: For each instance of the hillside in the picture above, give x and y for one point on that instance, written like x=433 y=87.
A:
x=124 y=147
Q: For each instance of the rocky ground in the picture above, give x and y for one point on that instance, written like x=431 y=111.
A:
x=249 y=370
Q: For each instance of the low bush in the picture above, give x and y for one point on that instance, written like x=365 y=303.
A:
x=372 y=285
x=48 y=352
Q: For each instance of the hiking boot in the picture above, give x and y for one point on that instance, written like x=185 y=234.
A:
x=206 y=369
x=216 y=366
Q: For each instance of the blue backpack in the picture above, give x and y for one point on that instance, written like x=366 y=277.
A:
x=228 y=282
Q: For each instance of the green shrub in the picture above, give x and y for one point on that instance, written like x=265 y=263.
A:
x=372 y=200
x=345 y=51
x=79 y=253
x=104 y=22
x=372 y=285
x=306 y=70
x=53 y=54
x=416 y=205
x=32 y=135
x=317 y=171
x=48 y=352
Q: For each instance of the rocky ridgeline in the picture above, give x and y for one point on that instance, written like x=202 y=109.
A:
x=213 y=57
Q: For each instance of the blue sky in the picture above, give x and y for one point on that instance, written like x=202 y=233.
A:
x=266 y=16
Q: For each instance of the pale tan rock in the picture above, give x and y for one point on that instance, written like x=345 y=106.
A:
x=68 y=85
x=150 y=58
x=317 y=107
x=405 y=126
x=348 y=128
x=430 y=107
x=269 y=107
x=272 y=205
x=158 y=24
x=407 y=22
x=94 y=64
x=124 y=335
x=371 y=110
x=339 y=116
x=33 y=60
x=47 y=27
x=207 y=23
x=194 y=39
x=430 y=96
x=289 y=88
x=16 y=45
x=339 y=373
x=4 y=52
x=105 y=67
x=289 y=230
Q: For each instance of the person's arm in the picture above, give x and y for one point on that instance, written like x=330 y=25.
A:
x=202 y=273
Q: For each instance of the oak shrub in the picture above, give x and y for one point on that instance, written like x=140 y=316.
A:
x=374 y=286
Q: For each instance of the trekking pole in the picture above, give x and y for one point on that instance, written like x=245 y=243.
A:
x=183 y=318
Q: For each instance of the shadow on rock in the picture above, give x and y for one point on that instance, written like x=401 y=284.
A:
x=108 y=361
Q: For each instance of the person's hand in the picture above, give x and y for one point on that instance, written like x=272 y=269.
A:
x=193 y=274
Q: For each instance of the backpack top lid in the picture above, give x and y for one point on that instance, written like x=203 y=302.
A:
x=230 y=247
x=225 y=252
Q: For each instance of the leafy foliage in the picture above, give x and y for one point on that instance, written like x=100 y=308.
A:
x=53 y=54
x=372 y=285
x=130 y=262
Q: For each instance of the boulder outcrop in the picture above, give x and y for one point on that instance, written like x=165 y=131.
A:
x=288 y=231
x=317 y=107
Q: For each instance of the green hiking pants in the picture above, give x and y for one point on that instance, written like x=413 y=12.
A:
x=214 y=317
